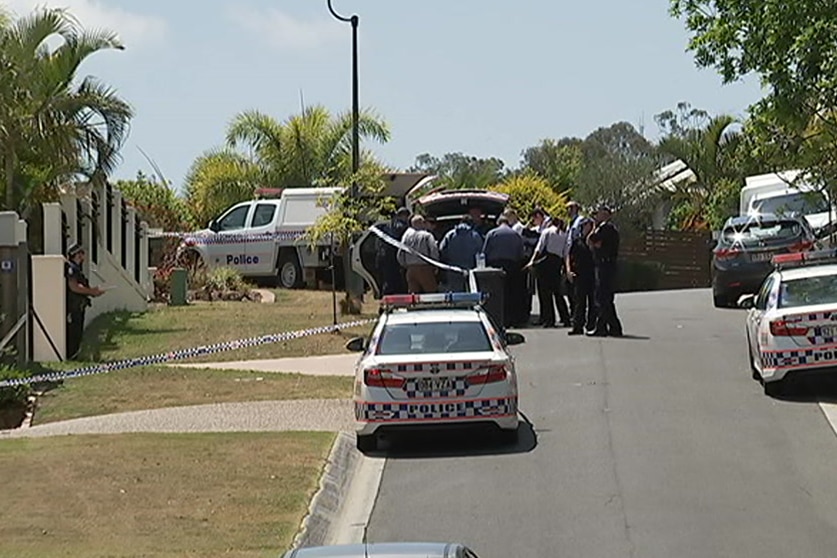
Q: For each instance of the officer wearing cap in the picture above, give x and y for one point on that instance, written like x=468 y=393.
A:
x=79 y=293
x=604 y=241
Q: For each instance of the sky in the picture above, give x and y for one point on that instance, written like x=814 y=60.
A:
x=482 y=77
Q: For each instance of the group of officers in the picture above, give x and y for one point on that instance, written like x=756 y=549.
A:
x=558 y=259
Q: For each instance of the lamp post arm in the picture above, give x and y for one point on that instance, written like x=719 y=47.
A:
x=336 y=15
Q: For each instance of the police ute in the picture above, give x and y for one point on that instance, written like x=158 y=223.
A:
x=792 y=321
x=434 y=360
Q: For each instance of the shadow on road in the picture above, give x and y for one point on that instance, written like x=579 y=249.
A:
x=808 y=389
x=460 y=442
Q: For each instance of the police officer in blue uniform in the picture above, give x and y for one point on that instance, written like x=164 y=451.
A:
x=604 y=241
x=79 y=292
x=581 y=273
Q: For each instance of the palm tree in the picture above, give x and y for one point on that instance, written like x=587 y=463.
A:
x=217 y=180
x=52 y=126
x=709 y=152
x=311 y=148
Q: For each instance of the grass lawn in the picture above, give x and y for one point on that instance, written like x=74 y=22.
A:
x=165 y=386
x=157 y=495
x=121 y=335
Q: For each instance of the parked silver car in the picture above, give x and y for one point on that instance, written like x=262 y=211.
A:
x=385 y=550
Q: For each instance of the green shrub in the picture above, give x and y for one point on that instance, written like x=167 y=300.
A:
x=528 y=191
x=13 y=397
x=226 y=279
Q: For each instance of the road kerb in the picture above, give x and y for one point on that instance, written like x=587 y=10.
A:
x=829 y=410
x=340 y=509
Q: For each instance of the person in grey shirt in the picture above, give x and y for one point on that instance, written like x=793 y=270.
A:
x=421 y=276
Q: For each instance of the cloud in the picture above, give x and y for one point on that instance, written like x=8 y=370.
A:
x=132 y=28
x=284 y=31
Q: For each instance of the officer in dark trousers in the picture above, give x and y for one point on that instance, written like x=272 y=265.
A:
x=581 y=273
x=604 y=241
x=548 y=262
x=386 y=259
x=79 y=294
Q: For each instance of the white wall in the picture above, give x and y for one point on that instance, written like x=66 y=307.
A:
x=49 y=303
x=124 y=291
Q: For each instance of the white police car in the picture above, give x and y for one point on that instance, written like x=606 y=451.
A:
x=434 y=359
x=792 y=321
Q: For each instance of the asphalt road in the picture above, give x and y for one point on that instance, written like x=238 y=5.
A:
x=657 y=445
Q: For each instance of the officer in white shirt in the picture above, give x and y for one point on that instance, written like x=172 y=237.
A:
x=548 y=262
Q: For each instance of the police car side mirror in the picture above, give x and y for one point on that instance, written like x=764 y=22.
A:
x=356 y=345
x=747 y=301
x=213 y=226
x=513 y=338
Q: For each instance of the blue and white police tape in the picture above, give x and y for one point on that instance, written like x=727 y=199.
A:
x=163 y=358
x=472 y=280
x=206 y=238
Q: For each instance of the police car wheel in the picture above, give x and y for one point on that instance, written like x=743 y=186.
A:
x=367 y=442
x=289 y=273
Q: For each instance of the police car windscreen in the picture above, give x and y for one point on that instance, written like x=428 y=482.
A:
x=808 y=291
x=755 y=232
x=434 y=337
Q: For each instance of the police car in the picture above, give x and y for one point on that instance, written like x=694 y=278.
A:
x=792 y=321
x=432 y=360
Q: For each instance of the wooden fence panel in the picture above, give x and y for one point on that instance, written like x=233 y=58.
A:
x=668 y=260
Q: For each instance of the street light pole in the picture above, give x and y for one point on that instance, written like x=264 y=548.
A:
x=354 y=283
x=354 y=20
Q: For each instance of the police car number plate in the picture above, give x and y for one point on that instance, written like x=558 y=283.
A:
x=829 y=331
x=435 y=384
x=761 y=256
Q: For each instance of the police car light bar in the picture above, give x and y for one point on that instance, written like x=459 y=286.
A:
x=813 y=257
x=408 y=300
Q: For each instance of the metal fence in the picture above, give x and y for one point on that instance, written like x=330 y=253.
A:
x=15 y=286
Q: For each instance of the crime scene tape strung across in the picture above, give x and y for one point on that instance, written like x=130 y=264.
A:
x=206 y=238
x=472 y=280
x=162 y=358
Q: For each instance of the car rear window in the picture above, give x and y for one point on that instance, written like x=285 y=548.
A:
x=433 y=337
x=753 y=233
x=808 y=291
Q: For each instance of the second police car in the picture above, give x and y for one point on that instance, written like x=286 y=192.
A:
x=792 y=321
x=434 y=359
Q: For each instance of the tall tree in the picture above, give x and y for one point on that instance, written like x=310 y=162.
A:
x=458 y=171
x=219 y=179
x=792 y=47
x=308 y=149
x=559 y=162
x=618 y=165
x=54 y=128
x=709 y=147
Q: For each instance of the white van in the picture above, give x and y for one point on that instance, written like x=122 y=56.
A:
x=785 y=193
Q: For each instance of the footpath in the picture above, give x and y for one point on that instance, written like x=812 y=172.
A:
x=322 y=415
